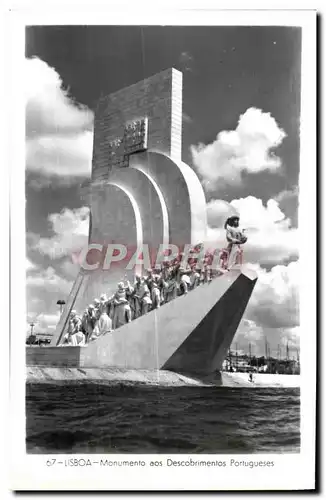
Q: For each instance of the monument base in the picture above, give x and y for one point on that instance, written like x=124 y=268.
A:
x=162 y=378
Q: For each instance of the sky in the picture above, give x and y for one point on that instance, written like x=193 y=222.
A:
x=241 y=116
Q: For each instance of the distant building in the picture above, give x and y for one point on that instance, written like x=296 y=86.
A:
x=39 y=339
x=245 y=363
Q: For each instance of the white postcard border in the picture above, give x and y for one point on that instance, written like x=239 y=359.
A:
x=290 y=471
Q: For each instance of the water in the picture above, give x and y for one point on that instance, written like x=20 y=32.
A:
x=95 y=418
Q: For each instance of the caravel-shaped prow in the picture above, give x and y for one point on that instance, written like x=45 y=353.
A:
x=189 y=335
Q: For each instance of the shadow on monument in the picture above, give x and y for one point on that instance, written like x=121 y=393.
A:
x=203 y=352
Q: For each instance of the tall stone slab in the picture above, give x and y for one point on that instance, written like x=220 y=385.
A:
x=157 y=99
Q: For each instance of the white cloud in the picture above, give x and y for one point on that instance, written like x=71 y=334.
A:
x=249 y=331
x=289 y=201
x=70 y=229
x=46 y=286
x=290 y=337
x=49 y=108
x=48 y=281
x=272 y=313
x=43 y=323
x=277 y=340
x=254 y=214
x=275 y=300
x=287 y=194
x=248 y=148
x=59 y=131
x=61 y=155
x=271 y=239
x=29 y=265
x=218 y=211
x=43 y=288
x=70 y=268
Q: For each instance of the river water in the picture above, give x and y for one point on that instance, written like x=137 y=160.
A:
x=94 y=418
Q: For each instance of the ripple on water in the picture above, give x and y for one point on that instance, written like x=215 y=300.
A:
x=94 y=418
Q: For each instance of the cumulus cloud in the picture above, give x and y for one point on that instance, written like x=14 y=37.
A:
x=46 y=286
x=70 y=268
x=70 y=228
x=43 y=288
x=248 y=148
x=49 y=108
x=271 y=238
x=43 y=323
x=277 y=340
x=58 y=130
x=249 y=331
x=60 y=155
x=48 y=281
x=218 y=211
x=275 y=300
x=289 y=202
x=272 y=314
x=287 y=194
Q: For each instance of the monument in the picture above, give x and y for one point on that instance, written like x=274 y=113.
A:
x=142 y=194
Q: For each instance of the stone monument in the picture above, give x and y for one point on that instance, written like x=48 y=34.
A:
x=141 y=193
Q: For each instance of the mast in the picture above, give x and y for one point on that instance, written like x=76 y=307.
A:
x=265 y=348
x=267 y=354
x=298 y=361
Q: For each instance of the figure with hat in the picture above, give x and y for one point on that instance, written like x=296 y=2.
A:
x=156 y=292
x=161 y=282
x=184 y=284
x=97 y=314
x=122 y=310
x=235 y=237
x=149 y=279
x=136 y=296
x=88 y=322
x=75 y=336
x=103 y=302
x=146 y=300
x=175 y=276
x=164 y=282
x=104 y=322
x=194 y=278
